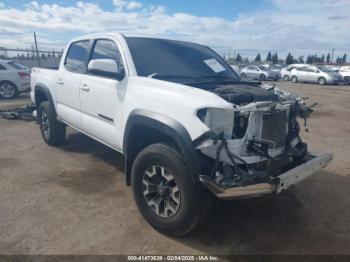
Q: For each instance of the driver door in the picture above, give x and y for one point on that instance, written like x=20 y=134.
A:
x=102 y=97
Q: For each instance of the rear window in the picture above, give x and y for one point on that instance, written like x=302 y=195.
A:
x=14 y=65
x=76 y=57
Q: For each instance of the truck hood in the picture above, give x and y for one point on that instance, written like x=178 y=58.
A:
x=238 y=93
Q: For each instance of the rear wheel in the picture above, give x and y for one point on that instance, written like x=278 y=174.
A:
x=164 y=191
x=294 y=79
x=321 y=81
x=244 y=77
x=52 y=131
x=286 y=78
x=8 y=90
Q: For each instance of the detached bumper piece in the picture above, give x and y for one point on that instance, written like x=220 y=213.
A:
x=278 y=183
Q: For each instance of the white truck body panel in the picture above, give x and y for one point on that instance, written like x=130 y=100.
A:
x=101 y=106
x=117 y=99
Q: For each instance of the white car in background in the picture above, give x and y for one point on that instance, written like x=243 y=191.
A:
x=13 y=79
x=286 y=73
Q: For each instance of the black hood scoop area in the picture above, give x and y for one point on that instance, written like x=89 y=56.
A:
x=238 y=93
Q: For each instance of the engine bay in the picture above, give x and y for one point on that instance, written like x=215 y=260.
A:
x=265 y=137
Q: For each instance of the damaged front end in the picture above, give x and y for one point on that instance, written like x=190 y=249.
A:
x=255 y=149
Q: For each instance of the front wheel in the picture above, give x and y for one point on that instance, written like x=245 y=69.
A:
x=294 y=79
x=321 y=81
x=164 y=191
x=52 y=131
x=262 y=77
x=286 y=78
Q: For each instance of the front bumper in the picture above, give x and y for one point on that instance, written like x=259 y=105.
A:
x=273 y=77
x=335 y=81
x=277 y=185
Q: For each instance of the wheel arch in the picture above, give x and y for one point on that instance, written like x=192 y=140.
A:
x=322 y=77
x=41 y=94
x=8 y=81
x=144 y=128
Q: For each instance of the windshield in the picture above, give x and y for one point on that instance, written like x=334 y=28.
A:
x=178 y=61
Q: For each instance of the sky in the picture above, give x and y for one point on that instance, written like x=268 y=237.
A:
x=229 y=26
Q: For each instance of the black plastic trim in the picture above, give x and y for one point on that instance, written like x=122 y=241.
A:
x=46 y=91
x=106 y=118
x=167 y=126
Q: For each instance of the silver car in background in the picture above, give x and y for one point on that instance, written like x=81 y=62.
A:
x=316 y=74
x=286 y=73
x=260 y=73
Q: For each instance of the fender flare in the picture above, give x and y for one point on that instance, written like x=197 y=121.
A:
x=46 y=91
x=169 y=127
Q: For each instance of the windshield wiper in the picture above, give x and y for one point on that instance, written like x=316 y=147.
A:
x=157 y=76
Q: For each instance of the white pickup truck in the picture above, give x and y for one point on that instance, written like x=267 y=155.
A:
x=188 y=127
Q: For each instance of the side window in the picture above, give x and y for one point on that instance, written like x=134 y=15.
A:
x=75 y=60
x=2 y=67
x=107 y=49
x=250 y=68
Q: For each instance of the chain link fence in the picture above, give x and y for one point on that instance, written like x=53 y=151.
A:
x=30 y=58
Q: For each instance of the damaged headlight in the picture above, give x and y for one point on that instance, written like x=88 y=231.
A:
x=218 y=120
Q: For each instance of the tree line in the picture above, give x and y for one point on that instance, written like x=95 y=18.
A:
x=290 y=59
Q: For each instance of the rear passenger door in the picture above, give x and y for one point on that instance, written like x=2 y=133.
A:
x=302 y=73
x=251 y=72
x=68 y=82
x=102 y=96
x=313 y=75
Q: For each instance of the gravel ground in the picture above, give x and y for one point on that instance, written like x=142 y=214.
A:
x=73 y=200
x=19 y=101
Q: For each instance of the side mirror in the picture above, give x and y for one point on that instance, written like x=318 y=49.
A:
x=317 y=71
x=106 y=68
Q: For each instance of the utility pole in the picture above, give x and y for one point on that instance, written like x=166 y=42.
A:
x=37 y=51
x=332 y=56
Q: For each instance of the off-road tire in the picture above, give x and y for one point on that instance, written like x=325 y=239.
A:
x=294 y=79
x=194 y=201
x=321 y=81
x=56 y=130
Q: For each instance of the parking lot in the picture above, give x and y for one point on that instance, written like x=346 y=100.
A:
x=73 y=199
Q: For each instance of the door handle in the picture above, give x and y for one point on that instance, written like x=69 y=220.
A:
x=85 y=88
x=60 y=82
